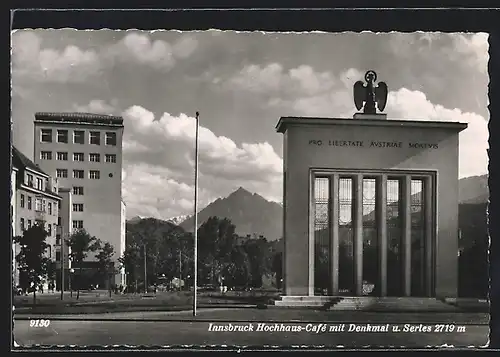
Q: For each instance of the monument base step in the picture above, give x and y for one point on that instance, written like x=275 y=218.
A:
x=306 y=301
x=392 y=304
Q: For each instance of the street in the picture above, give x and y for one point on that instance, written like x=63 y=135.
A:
x=147 y=329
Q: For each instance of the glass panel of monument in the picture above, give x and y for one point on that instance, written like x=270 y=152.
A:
x=371 y=275
x=417 y=238
x=346 y=237
x=394 y=238
x=321 y=235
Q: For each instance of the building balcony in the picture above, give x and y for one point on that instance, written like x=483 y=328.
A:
x=50 y=191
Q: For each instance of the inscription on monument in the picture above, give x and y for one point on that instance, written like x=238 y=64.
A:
x=374 y=144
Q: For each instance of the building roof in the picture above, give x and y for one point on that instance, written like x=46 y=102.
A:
x=78 y=118
x=20 y=161
x=285 y=122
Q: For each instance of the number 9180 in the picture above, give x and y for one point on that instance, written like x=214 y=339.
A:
x=39 y=323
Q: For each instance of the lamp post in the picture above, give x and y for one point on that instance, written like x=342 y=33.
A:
x=71 y=271
x=195 y=287
x=145 y=271
x=62 y=266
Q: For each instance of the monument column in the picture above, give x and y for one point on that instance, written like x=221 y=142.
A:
x=311 y=248
x=406 y=233
x=381 y=209
x=358 y=232
x=334 y=236
x=429 y=223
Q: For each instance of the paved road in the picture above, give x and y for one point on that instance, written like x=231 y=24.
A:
x=148 y=330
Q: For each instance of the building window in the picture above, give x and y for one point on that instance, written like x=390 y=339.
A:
x=49 y=229
x=30 y=180
x=62 y=173
x=46 y=136
x=77 y=207
x=58 y=239
x=94 y=175
x=22 y=200
x=95 y=157
x=49 y=249
x=50 y=207
x=58 y=256
x=78 y=174
x=62 y=156
x=59 y=205
x=29 y=223
x=39 y=184
x=59 y=221
x=77 y=224
x=38 y=204
x=111 y=138
x=95 y=138
x=78 y=190
x=29 y=202
x=78 y=137
x=62 y=136
x=46 y=155
x=110 y=158
x=22 y=224
x=78 y=156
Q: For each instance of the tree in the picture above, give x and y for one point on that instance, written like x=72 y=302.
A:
x=130 y=261
x=217 y=239
x=31 y=260
x=51 y=271
x=105 y=263
x=258 y=251
x=162 y=244
x=277 y=268
x=238 y=271
x=81 y=243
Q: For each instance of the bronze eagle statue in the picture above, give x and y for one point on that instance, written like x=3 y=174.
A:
x=372 y=97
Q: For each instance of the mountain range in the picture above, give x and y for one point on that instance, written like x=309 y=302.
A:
x=253 y=215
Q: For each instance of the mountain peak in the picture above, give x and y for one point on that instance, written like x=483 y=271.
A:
x=135 y=219
x=249 y=212
x=240 y=192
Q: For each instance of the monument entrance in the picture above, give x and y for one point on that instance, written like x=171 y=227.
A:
x=363 y=243
x=370 y=204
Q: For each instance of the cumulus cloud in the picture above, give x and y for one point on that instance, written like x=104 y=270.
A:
x=273 y=78
x=334 y=99
x=185 y=47
x=74 y=64
x=163 y=152
x=475 y=47
x=150 y=191
x=139 y=48
x=97 y=106
x=463 y=49
x=414 y=105
x=71 y=64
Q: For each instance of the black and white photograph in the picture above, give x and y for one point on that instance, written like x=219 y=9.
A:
x=231 y=188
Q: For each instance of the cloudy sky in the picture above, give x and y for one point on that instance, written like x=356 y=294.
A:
x=241 y=83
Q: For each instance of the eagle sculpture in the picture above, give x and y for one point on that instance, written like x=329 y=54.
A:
x=369 y=94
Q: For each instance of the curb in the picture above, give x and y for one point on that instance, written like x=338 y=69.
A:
x=28 y=312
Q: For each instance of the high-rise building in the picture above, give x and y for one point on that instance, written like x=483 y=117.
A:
x=84 y=152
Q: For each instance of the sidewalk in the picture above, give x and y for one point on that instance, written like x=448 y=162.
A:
x=275 y=315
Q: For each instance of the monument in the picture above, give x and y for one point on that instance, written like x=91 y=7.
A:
x=370 y=204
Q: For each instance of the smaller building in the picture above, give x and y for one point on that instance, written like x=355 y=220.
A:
x=35 y=200
x=13 y=176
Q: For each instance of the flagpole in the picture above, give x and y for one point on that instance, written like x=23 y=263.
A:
x=195 y=285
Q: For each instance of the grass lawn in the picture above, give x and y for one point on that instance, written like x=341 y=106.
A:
x=100 y=301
